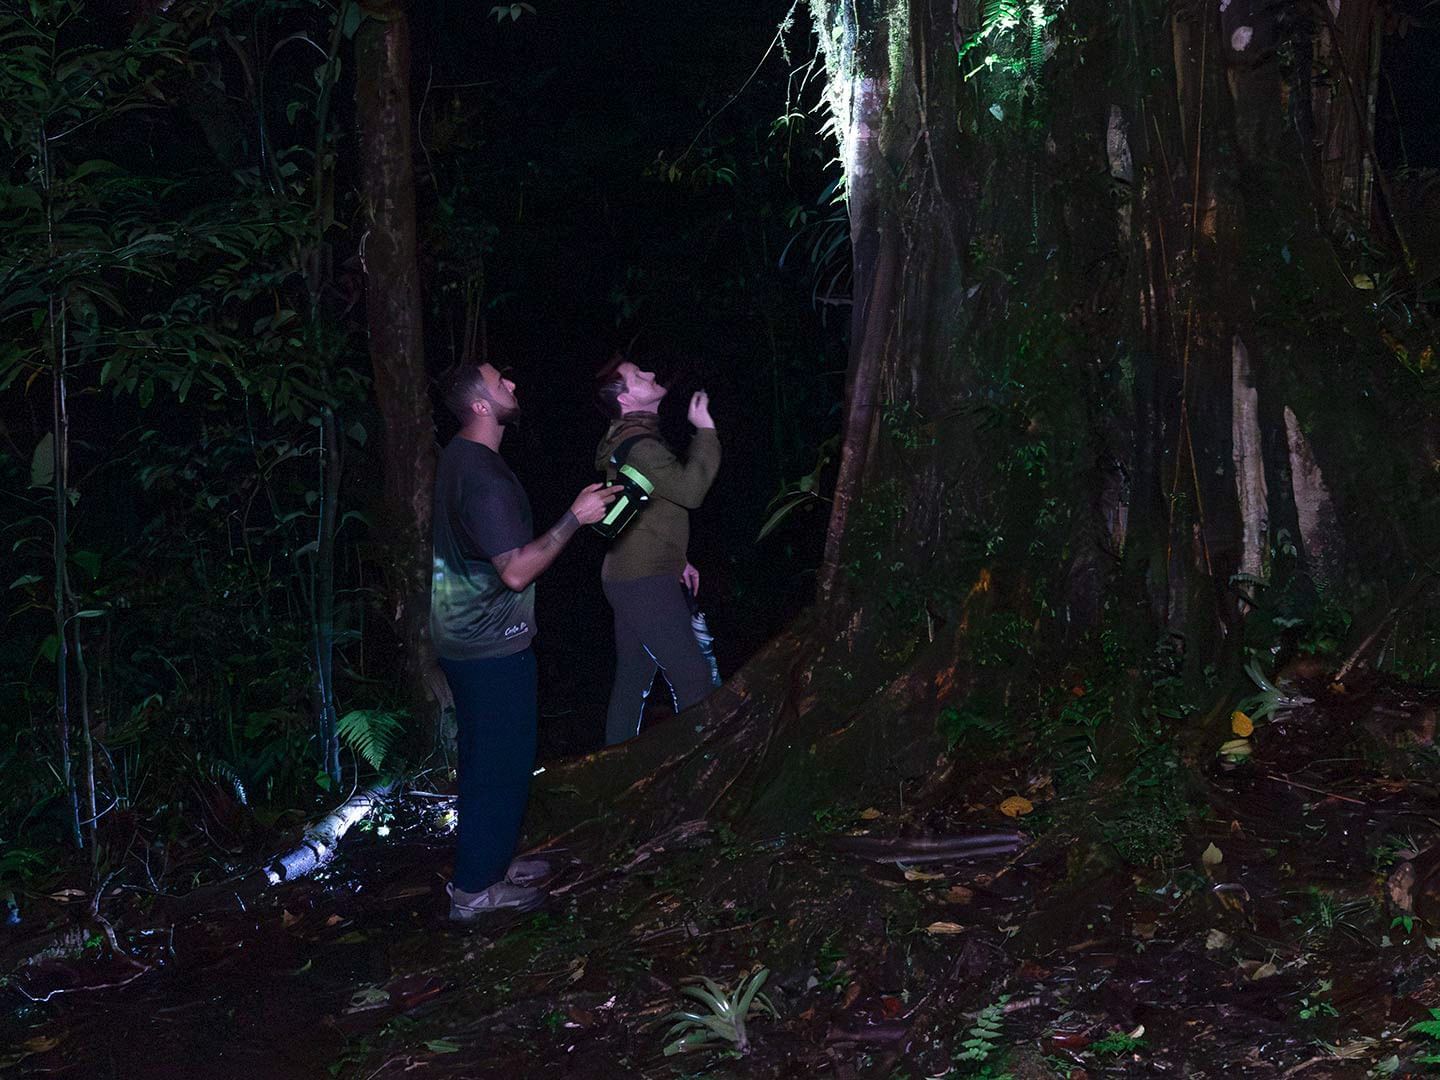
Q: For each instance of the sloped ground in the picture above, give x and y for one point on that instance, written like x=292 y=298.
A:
x=1259 y=942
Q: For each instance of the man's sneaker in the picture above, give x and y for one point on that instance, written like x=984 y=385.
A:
x=502 y=896
x=527 y=870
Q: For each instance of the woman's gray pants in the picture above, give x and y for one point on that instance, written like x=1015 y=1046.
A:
x=652 y=633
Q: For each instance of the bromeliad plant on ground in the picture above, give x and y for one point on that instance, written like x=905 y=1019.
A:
x=725 y=1022
x=1271 y=700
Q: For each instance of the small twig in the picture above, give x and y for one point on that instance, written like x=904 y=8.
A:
x=391 y=1061
x=113 y=804
x=99 y=892
x=779 y=35
x=75 y=989
x=1316 y=790
x=1018 y=1004
x=1412 y=592
x=117 y=950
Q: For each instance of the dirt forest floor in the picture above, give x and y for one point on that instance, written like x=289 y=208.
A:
x=1265 y=942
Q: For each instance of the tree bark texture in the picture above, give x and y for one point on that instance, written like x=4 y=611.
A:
x=1109 y=372
x=1125 y=363
x=394 y=313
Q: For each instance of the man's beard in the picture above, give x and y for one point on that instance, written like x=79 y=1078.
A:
x=504 y=415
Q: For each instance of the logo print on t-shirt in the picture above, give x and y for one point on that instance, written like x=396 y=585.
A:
x=518 y=628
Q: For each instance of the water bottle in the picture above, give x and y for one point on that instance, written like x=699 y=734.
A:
x=703 y=637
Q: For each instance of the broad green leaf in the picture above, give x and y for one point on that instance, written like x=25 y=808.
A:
x=42 y=462
x=350 y=19
x=782 y=513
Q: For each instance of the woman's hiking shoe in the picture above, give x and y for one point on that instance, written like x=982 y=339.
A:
x=502 y=896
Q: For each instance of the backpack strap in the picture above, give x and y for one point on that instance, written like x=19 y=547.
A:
x=622 y=452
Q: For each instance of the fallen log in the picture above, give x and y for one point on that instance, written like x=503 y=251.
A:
x=318 y=843
x=316 y=847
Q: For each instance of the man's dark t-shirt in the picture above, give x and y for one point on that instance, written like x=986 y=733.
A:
x=480 y=511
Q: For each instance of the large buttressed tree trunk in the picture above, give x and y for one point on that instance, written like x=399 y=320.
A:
x=1116 y=386
x=1121 y=362
x=394 y=312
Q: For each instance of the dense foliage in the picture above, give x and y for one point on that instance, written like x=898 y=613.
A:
x=187 y=403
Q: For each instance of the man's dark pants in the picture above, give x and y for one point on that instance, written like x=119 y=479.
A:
x=652 y=633
x=495 y=718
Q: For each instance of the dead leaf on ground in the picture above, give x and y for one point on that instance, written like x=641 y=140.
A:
x=943 y=927
x=911 y=874
x=1042 y=783
x=1237 y=748
x=852 y=992
x=957 y=894
x=1217 y=939
x=1212 y=856
x=40 y=1044
x=367 y=998
x=870 y=814
x=1016 y=806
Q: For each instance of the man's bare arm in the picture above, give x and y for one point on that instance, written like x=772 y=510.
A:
x=520 y=566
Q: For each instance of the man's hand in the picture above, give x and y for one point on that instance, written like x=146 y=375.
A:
x=520 y=566
x=691 y=577
x=700 y=410
x=593 y=502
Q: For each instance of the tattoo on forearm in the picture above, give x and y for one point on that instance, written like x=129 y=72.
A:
x=564 y=528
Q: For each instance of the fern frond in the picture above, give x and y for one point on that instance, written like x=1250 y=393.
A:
x=370 y=733
x=999 y=15
x=1037 y=44
x=223 y=772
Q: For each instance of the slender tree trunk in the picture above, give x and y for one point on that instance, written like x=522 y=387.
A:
x=60 y=447
x=859 y=94
x=87 y=739
x=395 y=315
x=61 y=429
x=323 y=597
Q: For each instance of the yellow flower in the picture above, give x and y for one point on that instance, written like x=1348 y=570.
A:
x=1241 y=724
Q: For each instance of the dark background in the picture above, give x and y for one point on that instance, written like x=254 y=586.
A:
x=565 y=149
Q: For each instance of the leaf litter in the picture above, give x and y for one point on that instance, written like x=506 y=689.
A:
x=1270 y=945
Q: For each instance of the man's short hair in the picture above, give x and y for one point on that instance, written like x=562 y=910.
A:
x=464 y=385
x=609 y=385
